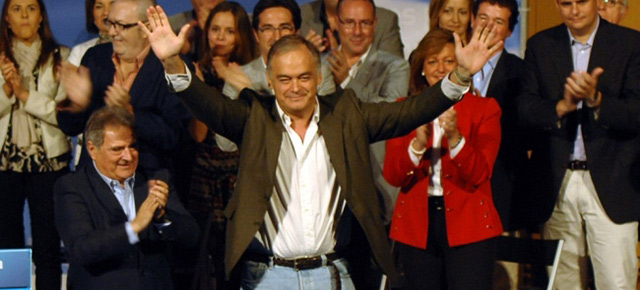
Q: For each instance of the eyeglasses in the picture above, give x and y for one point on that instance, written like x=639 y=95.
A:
x=350 y=24
x=283 y=29
x=119 y=27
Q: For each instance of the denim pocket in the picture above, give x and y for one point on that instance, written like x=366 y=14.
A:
x=253 y=273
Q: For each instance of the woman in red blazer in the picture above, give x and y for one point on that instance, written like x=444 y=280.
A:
x=444 y=217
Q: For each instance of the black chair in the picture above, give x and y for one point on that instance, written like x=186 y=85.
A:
x=534 y=252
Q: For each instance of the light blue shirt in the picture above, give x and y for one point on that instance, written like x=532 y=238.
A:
x=125 y=199
x=581 y=52
x=482 y=78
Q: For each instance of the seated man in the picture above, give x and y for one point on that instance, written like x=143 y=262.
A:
x=114 y=221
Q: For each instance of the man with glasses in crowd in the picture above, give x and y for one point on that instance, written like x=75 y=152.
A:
x=126 y=73
x=272 y=19
x=375 y=76
x=319 y=18
x=613 y=10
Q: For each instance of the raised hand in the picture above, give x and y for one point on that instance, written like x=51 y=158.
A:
x=77 y=83
x=473 y=56
x=145 y=213
x=165 y=43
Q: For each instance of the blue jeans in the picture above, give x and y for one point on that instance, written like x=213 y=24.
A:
x=263 y=276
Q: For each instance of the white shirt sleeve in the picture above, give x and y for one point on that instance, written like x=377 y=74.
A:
x=179 y=82
x=452 y=91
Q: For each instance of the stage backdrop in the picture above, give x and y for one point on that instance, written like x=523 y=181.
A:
x=68 y=22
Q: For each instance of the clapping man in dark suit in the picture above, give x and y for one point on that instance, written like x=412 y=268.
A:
x=581 y=92
x=114 y=221
x=304 y=178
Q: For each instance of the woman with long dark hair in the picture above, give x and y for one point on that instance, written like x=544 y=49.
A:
x=228 y=42
x=34 y=152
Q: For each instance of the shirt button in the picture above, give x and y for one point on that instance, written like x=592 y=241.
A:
x=410 y=172
x=482 y=202
x=448 y=192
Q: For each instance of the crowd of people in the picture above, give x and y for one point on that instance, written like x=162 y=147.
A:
x=291 y=147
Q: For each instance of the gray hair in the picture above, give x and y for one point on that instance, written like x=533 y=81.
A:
x=142 y=6
x=104 y=117
x=290 y=43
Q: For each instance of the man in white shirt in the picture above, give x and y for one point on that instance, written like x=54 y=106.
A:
x=304 y=180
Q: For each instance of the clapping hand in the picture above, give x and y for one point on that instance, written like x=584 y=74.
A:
x=77 y=83
x=116 y=95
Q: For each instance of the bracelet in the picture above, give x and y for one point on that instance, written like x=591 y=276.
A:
x=458 y=143
x=414 y=151
x=461 y=79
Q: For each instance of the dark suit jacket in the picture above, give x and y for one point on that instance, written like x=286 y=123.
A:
x=91 y=224
x=387 y=30
x=512 y=167
x=611 y=134
x=348 y=126
x=160 y=118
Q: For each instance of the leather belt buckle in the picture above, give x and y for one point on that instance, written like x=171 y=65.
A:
x=577 y=165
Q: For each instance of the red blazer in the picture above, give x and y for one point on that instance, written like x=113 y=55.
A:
x=470 y=213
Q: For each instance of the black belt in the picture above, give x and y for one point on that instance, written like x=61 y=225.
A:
x=577 y=165
x=301 y=263
x=297 y=264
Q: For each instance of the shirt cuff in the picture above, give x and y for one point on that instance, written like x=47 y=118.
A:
x=179 y=82
x=452 y=91
x=345 y=83
x=454 y=152
x=225 y=144
x=133 y=237
x=415 y=158
x=161 y=227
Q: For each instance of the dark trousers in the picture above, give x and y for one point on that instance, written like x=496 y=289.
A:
x=440 y=266
x=37 y=189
